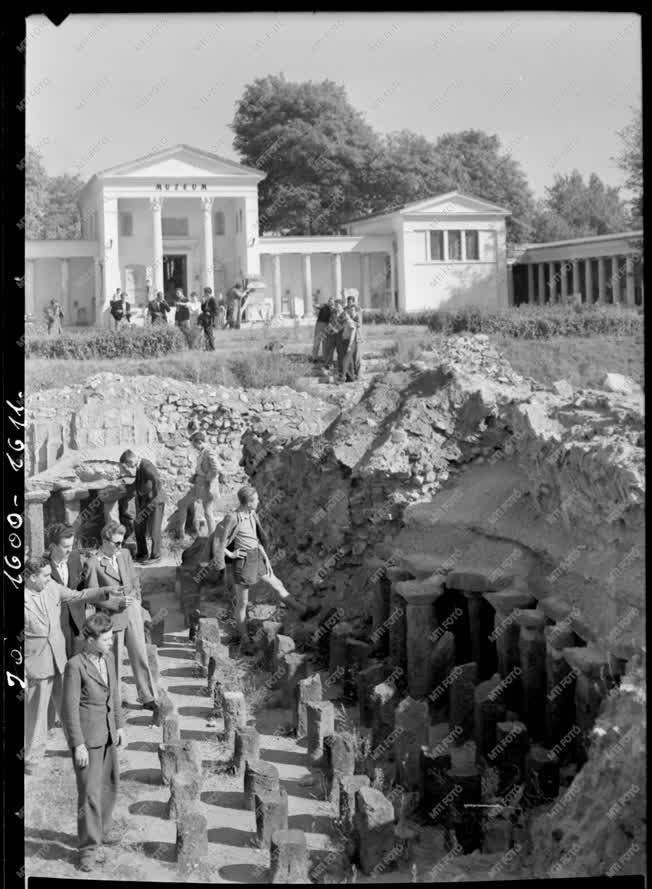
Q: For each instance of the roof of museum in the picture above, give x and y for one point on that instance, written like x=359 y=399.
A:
x=424 y=202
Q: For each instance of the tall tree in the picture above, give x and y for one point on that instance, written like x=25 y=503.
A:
x=475 y=161
x=50 y=201
x=314 y=147
x=575 y=209
x=630 y=162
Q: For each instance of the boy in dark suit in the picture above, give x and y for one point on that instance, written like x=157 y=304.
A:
x=69 y=569
x=93 y=723
x=150 y=503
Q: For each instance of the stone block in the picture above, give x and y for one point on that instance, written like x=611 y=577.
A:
x=589 y=661
x=462 y=700
x=471 y=580
x=498 y=836
x=320 y=720
x=234 y=709
x=397 y=623
x=349 y=786
x=411 y=734
x=435 y=765
x=512 y=745
x=306 y=690
x=192 y=840
x=322 y=635
x=356 y=658
x=171 y=730
x=289 y=857
x=532 y=647
x=339 y=762
x=367 y=679
x=259 y=777
x=530 y=618
x=374 y=824
x=246 y=747
x=266 y=639
x=271 y=809
x=185 y=789
x=183 y=756
x=541 y=773
x=293 y=667
x=509 y=599
x=489 y=710
x=384 y=698
x=422 y=566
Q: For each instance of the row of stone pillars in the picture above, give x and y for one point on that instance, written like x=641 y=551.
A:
x=75 y=510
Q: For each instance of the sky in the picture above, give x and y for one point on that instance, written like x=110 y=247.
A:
x=556 y=88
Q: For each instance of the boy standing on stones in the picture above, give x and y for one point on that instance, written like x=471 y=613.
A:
x=241 y=531
x=94 y=727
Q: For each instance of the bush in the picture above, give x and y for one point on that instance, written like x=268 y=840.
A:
x=91 y=343
x=525 y=322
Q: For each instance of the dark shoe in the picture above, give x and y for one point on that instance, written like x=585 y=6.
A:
x=141 y=558
x=150 y=705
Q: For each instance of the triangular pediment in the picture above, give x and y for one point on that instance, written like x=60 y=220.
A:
x=182 y=162
x=453 y=202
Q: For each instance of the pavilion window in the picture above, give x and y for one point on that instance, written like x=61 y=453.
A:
x=436 y=246
x=126 y=225
x=472 y=245
x=219 y=223
x=454 y=244
x=174 y=228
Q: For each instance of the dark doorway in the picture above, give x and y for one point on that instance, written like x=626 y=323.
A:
x=174 y=275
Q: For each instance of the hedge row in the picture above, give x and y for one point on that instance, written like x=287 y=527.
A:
x=524 y=322
x=127 y=342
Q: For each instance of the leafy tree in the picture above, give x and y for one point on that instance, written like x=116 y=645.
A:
x=575 y=209
x=630 y=162
x=313 y=146
x=50 y=201
x=474 y=160
x=36 y=186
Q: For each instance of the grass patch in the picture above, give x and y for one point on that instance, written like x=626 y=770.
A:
x=583 y=361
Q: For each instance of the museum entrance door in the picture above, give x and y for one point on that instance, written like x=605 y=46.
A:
x=175 y=274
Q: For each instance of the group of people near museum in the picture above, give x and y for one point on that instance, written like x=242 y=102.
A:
x=210 y=313
x=82 y=611
x=337 y=337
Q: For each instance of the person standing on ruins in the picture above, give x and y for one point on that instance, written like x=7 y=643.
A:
x=333 y=332
x=111 y=567
x=182 y=313
x=120 y=309
x=321 y=326
x=150 y=504
x=205 y=321
x=204 y=485
x=94 y=727
x=45 y=649
x=241 y=531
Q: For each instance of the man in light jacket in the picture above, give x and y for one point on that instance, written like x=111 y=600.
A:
x=45 y=649
x=112 y=566
x=204 y=485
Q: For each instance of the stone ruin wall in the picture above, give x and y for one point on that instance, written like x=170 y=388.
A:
x=92 y=424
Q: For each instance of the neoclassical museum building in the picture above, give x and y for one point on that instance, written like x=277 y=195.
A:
x=186 y=218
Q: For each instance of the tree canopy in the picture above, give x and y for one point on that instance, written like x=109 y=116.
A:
x=50 y=201
x=630 y=162
x=575 y=209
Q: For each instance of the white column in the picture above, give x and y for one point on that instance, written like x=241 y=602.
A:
x=392 y=279
x=30 y=286
x=66 y=302
x=541 y=296
x=278 y=293
x=111 y=254
x=530 y=284
x=337 y=275
x=576 y=277
x=307 y=284
x=157 y=230
x=588 y=281
x=630 y=298
x=552 y=284
x=250 y=232
x=615 y=283
x=564 y=281
x=445 y=256
x=207 y=276
x=365 y=280
x=98 y=297
x=601 y=280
